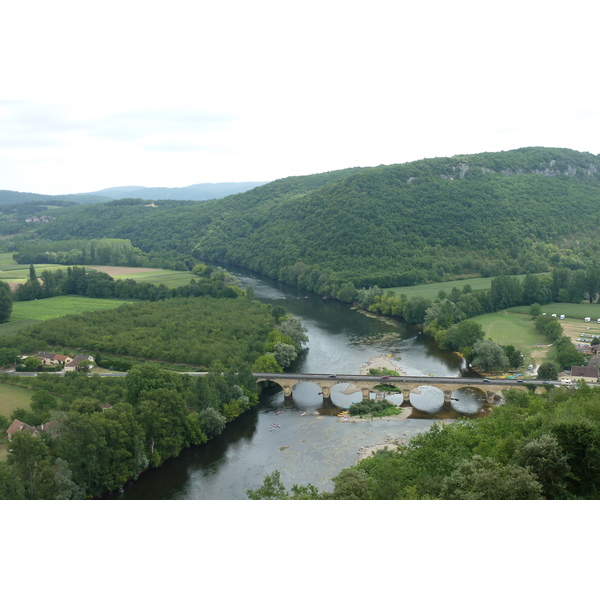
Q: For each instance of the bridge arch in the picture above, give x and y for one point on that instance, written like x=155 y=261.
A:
x=468 y=400
x=427 y=398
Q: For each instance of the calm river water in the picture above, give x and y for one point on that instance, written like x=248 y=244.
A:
x=311 y=447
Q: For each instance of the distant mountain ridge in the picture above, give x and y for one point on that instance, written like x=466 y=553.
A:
x=199 y=192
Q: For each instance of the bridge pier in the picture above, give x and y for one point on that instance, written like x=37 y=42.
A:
x=365 y=393
x=326 y=392
x=447 y=396
x=287 y=391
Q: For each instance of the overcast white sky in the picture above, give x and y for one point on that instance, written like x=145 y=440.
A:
x=176 y=93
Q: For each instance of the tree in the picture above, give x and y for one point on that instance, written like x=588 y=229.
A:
x=147 y=377
x=212 y=422
x=42 y=403
x=284 y=354
x=168 y=424
x=347 y=293
x=535 y=310
x=273 y=489
x=11 y=486
x=482 y=478
x=8 y=357
x=293 y=327
x=5 y=302
x=31 y=461
x=464 y=334
x=350 y=484
x=266 y=364
x=547 y=371
x=546 y=460
x=514 y=355
x=489 y=356
x=416 y=309
x=64 y=486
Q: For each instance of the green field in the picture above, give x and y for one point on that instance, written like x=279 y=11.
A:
x=13 y=273
x=573 y=311
x=510 y=328
x=172 y=279
x=431 y=290
x=29 y=313
x=516 y=329
x=13 y=397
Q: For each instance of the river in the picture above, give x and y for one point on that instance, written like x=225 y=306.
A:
x=311 y=447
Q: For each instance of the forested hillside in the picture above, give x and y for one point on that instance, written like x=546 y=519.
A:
x=520 y=211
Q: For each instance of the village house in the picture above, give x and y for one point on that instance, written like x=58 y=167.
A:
x=51 y=428
x=587 y=374
x=17 y=425
x=74 y=363
x=50 y=359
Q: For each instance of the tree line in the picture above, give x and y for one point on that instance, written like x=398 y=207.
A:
x=205 y=281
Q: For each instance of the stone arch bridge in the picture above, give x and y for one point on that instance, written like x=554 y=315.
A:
x=491 y=388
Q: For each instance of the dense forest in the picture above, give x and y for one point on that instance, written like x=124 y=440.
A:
x=520 y=211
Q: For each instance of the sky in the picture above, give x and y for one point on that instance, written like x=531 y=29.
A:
x=178 y=93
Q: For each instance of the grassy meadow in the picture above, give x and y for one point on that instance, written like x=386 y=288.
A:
x=172 y=279
x=29 y=313
x=431 y=290
x=13 y=397
x=517 y=329
x=573 y=311
x=14 y=274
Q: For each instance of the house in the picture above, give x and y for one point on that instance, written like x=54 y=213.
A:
x=50 y=359
x=73 y=364
x=594 y=360
x=588 y=374
x=17 y=425
x=52 y=428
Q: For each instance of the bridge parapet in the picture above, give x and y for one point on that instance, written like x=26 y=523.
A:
x=405 y=385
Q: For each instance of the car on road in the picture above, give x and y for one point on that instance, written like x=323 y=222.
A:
x=486 y=380
x=332 y=376
x=385 y=377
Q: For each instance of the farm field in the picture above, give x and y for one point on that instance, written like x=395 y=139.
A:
x=517 y=329
x=575 y=311
x=15 y=274
x=431 y=290
x=13 y=397
x=573 y=324
x=29 y=313
x=172 y=279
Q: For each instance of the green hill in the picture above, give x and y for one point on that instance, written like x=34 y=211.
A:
x=508 y=212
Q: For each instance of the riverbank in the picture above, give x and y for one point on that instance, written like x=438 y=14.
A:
x=383 y=361
x=391 y=443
